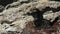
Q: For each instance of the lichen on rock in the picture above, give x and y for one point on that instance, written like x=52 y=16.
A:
x=17 y=15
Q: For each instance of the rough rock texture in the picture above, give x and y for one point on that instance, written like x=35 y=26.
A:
x=23 y=17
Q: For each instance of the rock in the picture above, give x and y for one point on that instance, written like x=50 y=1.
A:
x=15 y=16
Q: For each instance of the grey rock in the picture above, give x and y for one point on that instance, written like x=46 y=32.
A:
x=17 y=16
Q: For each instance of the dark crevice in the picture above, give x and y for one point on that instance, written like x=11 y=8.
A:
x=52 y=23
x=39 y=21
x=6 y=22
x=12 y=24
x=25 y=2
x=5 y=2
x=55 y=0
x=55 y=9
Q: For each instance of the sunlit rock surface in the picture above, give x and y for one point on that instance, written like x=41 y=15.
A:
x=21 y=16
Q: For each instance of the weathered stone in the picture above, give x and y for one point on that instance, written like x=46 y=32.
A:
x=15 y=15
